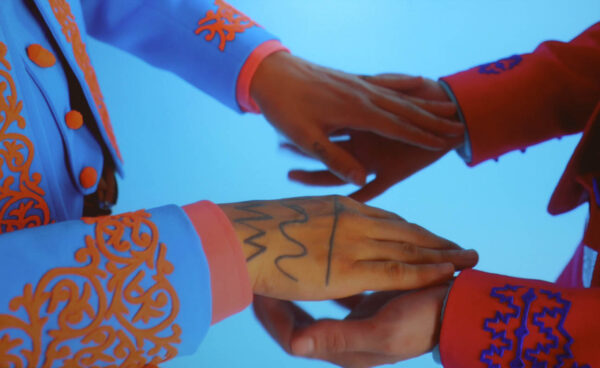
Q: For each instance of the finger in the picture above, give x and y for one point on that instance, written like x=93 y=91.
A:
x=290 y=147
x=351 y=301
x=373 y=189
x=391 y=275
x=389 y=124
x=328 y=337
x=418 y=116
x=397 y=82
x=319 y=178
x=338 y=160
x=446 y=109
x=405 y=232
x=280 y=318
x=413 y=254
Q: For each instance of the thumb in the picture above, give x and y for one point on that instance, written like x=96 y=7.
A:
x=326 y=338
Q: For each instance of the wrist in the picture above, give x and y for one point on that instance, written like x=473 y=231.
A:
x=248 y=71
x=441 y=296
x=245 y=234
x=270 y=74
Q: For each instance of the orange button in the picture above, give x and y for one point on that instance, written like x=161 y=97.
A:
x=74 y=119
x=41 y=56
x=88 y=177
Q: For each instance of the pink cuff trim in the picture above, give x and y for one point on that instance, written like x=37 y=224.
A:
x=247 y=73
x=229 y=280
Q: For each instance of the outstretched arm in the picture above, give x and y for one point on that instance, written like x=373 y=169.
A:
x=143 y=287
x=225 y=53
x=488 y=321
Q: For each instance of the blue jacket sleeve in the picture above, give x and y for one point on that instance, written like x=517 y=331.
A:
x=125 y=290
x=206 y=42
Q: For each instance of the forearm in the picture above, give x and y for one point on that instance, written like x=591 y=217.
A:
x=526 y=99
x=492 y=319
x=127 y=289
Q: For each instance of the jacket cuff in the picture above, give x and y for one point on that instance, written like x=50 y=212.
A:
x=463 y=151
x=230 y=282
x=246 y=102
x=498 y=321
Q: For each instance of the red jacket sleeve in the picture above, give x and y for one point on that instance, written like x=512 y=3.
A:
x=497 y=321
x=526 y=99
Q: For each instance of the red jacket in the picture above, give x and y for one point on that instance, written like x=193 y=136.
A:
x=498 y=321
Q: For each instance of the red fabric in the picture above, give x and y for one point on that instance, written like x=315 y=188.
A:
x=247 y=73
x=230 y=283
x=550 y=93
x=511 y=104
x=465 y=343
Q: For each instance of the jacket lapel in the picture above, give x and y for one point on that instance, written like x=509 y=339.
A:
x=66 y=31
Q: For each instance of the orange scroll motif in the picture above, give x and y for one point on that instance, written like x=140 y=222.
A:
x=22 y=203
x=226 y=22
x=121 y=282
x=62 y=12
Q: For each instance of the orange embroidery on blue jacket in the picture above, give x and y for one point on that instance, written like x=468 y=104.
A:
x=62 y=13
x=122 y=278
x=226 y=22
x=22 y=201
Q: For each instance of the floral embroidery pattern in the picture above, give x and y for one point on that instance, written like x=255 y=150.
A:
x=528 y=330
x=121 y=282
x=22 y=203
x=62 y=13
x=225 y=22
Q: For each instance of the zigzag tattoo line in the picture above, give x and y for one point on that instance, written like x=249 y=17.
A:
x=261 y=216
x=282 y=226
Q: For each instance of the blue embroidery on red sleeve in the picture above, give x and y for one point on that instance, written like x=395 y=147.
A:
x=530 y=325
x=501 y=66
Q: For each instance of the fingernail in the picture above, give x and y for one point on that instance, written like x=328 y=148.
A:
x=303 y=346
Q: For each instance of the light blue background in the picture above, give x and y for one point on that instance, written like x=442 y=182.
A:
x=180 y=146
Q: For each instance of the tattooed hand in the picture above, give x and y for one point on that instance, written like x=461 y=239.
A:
x=316 y=248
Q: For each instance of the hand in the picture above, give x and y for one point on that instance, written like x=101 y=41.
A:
x=384 y=328
x=307 y=103
x=330 y=247
x=390 y=160
x=427 y=91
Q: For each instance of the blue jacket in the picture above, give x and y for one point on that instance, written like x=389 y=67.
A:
x=109 y=291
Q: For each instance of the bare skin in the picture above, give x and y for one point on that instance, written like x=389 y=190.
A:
x=317 y=248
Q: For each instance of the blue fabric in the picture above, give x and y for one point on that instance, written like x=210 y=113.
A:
x=57 y=156
x=163 y=34
x=63 y=252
